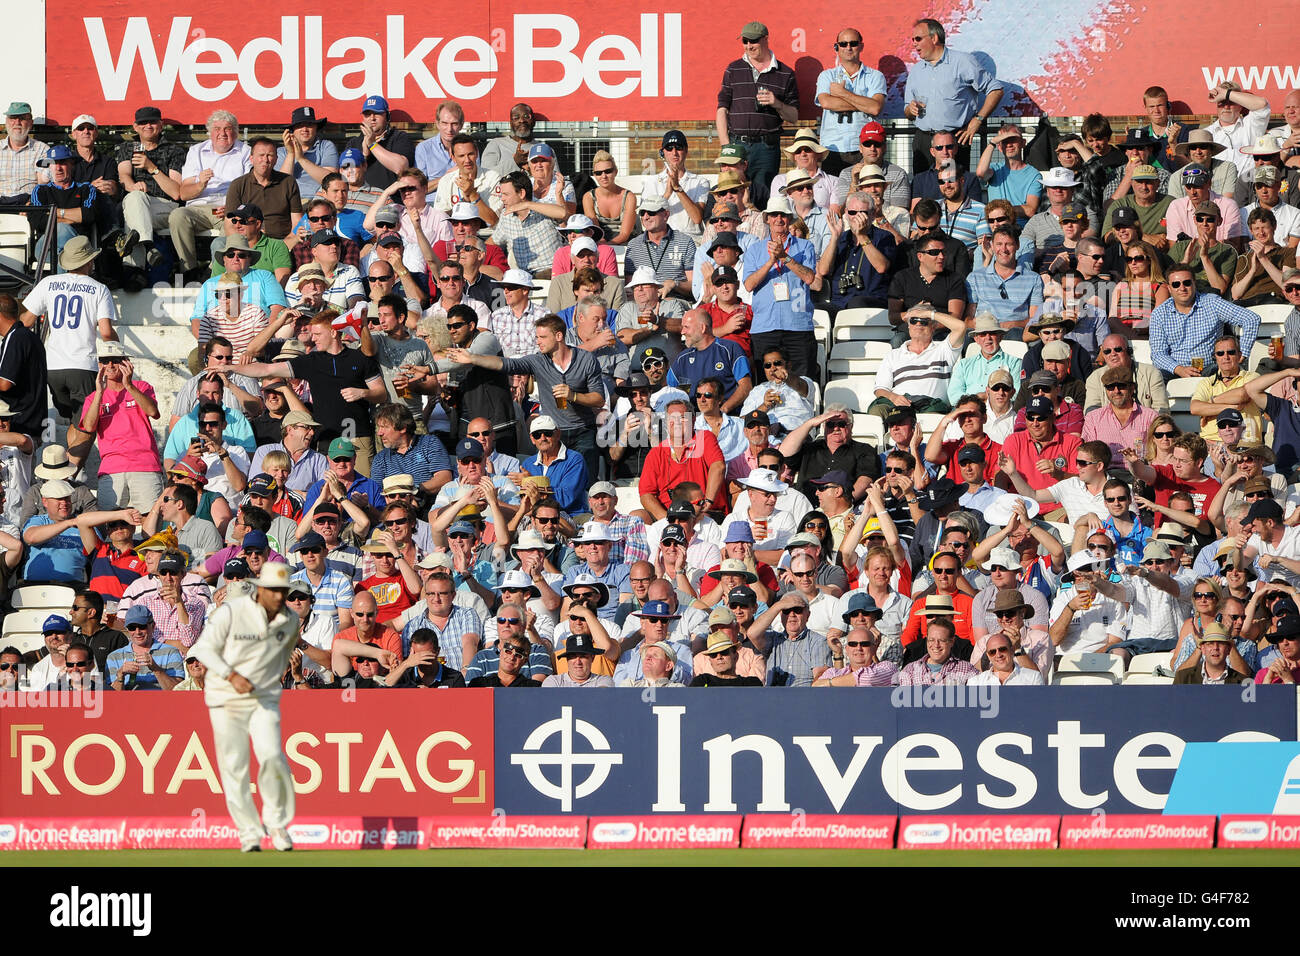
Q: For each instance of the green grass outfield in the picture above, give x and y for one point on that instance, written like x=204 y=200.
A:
x=1175 y=858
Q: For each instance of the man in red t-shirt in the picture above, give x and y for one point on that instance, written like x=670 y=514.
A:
x=368 y=630
x=1185 y=474
x=685 y=455
x=395 y=585
x=731 y=317
x=1041 y=454
x=970 y=414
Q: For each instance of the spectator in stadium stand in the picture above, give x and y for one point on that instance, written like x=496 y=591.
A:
x=657 y=665
x=73 y=201
x=857 y=275
x=1031 y=646
x=627 y=531
x=579 y=227
x=210 y=168
x=649 y=320
x=758 y=96
x=20 y=153
x=706 y=356
x=395 y=584
x=962 y=213
x=1285 y=667
x=434 y=155
x=466 y=183
x=668 y=253
x=1181 y=215
x=322 y=217
x=728 y=429
x=515 y=652
x=970 y=376
x=608 y=203
x=1117 y=353
x=272 y=255
x=146 y=663
x=849 y=94
x=1044 y=229
x=1122 y=421
x=779 y=279
x=942 y=161
x=835 y=450
x=579 y=653
x=926 y=223
x=1261 y=270
x=929 y=282
x=968 y=415
x=1198 y=148
x=946 y=90
x=1211 y=398
x=1041 y=453
x=871 y=149
x=477 y=395
x=1185 y=326
x=406 y=261
x=1156 y=600
x=1003 y=567
x=1009 y=289
x=514 y=622
x=304 y=154
x=808 y=155
x=937 y=665
x=529 y=238
x=553 y=195
x=1055 y=382
x=592 y=331
x=725 y=662
x=1282 y=412
x=817 y=228
x=1140 y=148
x=1005 y=665
x=916 y=374
x=945 y=597
x=1214 y=644
x=177 y=506
x=178 y=616
x=1243 y=118
x=149 y=170
x=788 y=402
x=509 y=154
x=390 y=151
x=86 y=617
x=422 y=667
x=684 y=192
x=1149 y=204
x=267 y=188
x=118 y=414
x=332 y=371
x=796 y=656
x=1213 y=262
x=306 y=465
x=466 y=222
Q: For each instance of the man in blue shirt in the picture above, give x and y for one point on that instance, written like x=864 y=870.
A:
x=566 y=471
x=1013 y=293
x=1186 y=325
x=850 y=94
x=146 y=663
x=946 y=90
x=779 y=278
x=305 y=156
x=1017 y=183
x=433 y=155
x=709 y=357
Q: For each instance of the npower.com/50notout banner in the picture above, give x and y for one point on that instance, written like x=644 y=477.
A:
x=1051 y=750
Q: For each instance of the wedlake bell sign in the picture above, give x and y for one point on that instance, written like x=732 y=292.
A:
x=194 y=60
x=382 y=752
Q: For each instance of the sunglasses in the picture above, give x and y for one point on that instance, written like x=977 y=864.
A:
x=548 y=432
x=1038 y=418
x=1204 y=595
x=945 y=572
x=1083 y=462
x=603 y=172
x=540 y=520
x=1120 y=386
x=895 y=471
x=1000 y=649
x=1117 y=500
x=1135 y=258
x=1222 y=352
x=946 y=148
x=1207 y=218
x=1163 y=434
x=860 y=643
x=508 y=620
x=1115 y=351
x=451 y=326
x=451 y=278
x=1291 y=288
x=79 y=665
x=1006 y=615
x=237 y=254
x=1000 y=387
x=320 y=218
x=999 y=220
x=137 y=627
x=514 y=649
x=848 y=43
x=774 y=365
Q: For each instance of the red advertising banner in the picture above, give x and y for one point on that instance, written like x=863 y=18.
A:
x=620 y=60
x=669 y=832
x=1136 y=831
x=1011 y=832
x=373 y=754
x=1262 y=830
x=508 y=832
x=818 y=831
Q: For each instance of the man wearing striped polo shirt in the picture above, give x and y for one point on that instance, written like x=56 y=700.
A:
x=916 y=373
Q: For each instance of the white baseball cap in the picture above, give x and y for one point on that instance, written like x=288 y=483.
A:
x=542 y=423
x=83 y=119
x=603 y=488
x=643 y=276
x=583 y=244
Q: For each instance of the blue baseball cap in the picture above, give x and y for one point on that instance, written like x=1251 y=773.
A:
x=540 y=151
x=469 y=448
x=461 y=527
x=139 y=614
x=56 y=154
x=352 y=157
x=255 y=541
x=861 y=601
x=374 y=104
x=658 y=609
x=55 y=623
x=739 y=531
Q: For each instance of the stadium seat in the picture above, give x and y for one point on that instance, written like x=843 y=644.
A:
x=1147 y=679
x=1141 y=351
x=25 y=641
x=1258 y=352
x=633 y=183
x=856 y=394
x=850 y=317
x=1108 y=667
x=52 y=596
x=1066 y=679
x=1271 y=317
x=16 y=238
x=869 y=428
x=1146 y=663
x=25 y=621
x=629 y=499
x=1181 y=388
x=814 y=393
x=822 y=326
x=856 y=358
x=928 y=422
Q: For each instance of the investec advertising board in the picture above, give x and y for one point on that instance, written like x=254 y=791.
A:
x=616 y=60
x=1046 y=751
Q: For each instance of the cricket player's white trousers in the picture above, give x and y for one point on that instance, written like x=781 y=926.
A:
x=233 y=723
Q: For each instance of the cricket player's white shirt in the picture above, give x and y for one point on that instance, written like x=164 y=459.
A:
x=238 y=637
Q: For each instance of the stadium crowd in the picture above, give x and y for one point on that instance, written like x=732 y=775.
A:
x=634 y=480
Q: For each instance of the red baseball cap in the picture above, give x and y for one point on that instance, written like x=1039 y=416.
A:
x=872 y=130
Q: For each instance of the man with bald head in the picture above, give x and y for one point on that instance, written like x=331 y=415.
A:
x=494 y=462
x=1116 y=353
x=707 y=356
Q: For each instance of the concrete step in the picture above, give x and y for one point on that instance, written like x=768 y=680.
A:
x=161 y=305
x=162 y=343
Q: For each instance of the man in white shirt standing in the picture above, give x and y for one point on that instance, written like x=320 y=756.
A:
x=245 y=646
x=1243 y=117
x=78 y=310
x=683 y=192
x=210 y=167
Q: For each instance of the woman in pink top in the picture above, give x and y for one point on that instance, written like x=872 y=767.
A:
x=119 y=415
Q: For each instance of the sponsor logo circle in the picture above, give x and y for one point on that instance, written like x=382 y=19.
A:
x=614 y=832
x=1245 y=831
x=927 y=833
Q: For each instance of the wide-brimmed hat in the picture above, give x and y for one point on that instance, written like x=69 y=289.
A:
x=1012 y=601
x=77 y=253
x=576 y=644
x=221 y=246
x=736 y=566
x=275 y=574
x=1266 y=145
x=519 y=580
x=806 y=139
x=516 y=277
x=529 y=540
x=1198 y=137
x=1138 y=137
x=728 y=179
x=54 y=463
x=718 y=642
x=778 y=205
x=937 y=604
x=580 y=223
x=589 y=581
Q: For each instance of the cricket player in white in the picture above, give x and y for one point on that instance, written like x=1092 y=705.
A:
x=246 y=644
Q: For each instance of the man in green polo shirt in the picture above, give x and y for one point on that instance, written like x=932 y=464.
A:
x=1149 y=203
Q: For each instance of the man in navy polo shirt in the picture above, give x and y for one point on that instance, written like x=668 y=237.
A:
x=709 y=357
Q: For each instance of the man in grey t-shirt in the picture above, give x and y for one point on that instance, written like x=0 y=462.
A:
x=394 y=346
